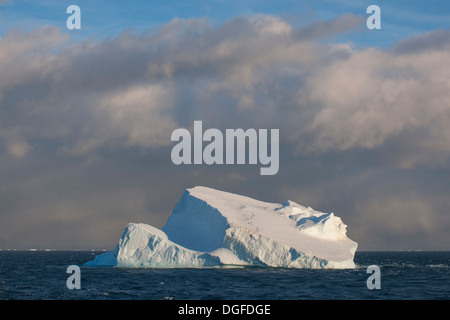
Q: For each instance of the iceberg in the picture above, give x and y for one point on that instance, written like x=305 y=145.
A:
x=212 y=228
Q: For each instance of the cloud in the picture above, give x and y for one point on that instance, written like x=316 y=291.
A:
x=17 y=147
x=374 y=97
x=435 y=40
x=128 y=91
x=136 y=116
x=339 y=25
x=401 y=221
x=85 y=127
x=400 y=215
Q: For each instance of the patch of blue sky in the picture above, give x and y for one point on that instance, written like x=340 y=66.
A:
x=106 y=18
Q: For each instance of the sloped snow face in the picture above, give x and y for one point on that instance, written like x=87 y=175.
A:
x=196 y=225
x=210 y=228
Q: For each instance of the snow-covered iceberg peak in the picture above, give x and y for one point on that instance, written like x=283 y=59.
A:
x=209 y=228
x=314 y=223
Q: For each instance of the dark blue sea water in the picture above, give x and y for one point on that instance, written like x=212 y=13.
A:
x=33 y=275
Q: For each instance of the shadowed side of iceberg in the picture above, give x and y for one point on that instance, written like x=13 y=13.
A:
x=107 y=259
x=196 y=225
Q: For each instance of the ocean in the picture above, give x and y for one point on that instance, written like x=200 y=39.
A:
x=42 y=275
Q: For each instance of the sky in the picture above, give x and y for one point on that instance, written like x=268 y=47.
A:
x=86 y=115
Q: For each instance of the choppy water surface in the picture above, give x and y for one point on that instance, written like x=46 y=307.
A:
x=404 y=275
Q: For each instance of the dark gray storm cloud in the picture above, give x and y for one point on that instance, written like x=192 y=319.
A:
x=437 y=40
x=85 y=128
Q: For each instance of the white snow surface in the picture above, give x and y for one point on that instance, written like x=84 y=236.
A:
x=212 y=228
